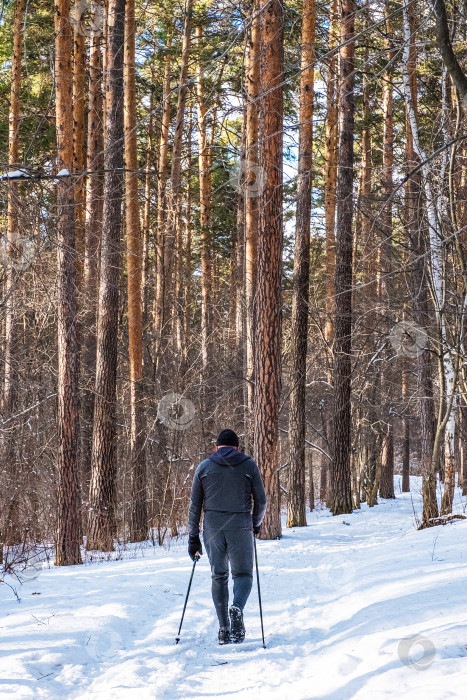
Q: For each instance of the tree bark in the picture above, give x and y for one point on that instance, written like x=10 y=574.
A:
x=270 y=242
x=364 y=227
x=174 y=245
x=67 y=547
x=205 y=218
x=330 y=173
x=10 y=377
x=251 y=185
x=241 y=394
x=387 y=463
x=449 y=475
x=405 y=437
x=93 y=232
x=386 y=286
x=330 y=182
x=138 y=518
x=145 y=279
x=323 y=478
x=311 y=483
x=79 y=153
x=102 y=524
x=161 y=243
x=188 y=247
x=296 y=500
x=341 y=497
x=9 y=530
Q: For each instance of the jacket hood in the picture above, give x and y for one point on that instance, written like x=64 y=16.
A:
x=228 y=456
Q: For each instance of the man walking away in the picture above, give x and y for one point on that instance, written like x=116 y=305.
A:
x=224 y=486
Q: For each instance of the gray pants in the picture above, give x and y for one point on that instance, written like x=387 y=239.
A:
x=234 y=546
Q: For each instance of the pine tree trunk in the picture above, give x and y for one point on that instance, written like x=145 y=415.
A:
x=330 y=182
x=366 y=236
x=93 y=232
x=405 y=438
x=241 y=395
x=311 y=483
x=161 y=243
x=67 y=547
x=330 y=173
x=386 y=286
x=174 y=245
x=251 y=187
x=9 y=530
x=364 y=227
x=323 y=478
x=387 y=463
x=79 y=153
x=205 y=220
x=188 y=247
x=270 y=242
x=145 y=279
x=102 y=524
x=341 y=497
x=179 y=311
x=296 y=501
x=138 y=517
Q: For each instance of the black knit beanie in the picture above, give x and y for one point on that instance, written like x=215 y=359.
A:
x=227 y=437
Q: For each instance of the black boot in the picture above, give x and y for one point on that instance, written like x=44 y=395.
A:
x=224 y=635
x=237 y=628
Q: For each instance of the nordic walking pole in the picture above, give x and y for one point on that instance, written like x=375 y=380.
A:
x=177 y=638
x=259 y=593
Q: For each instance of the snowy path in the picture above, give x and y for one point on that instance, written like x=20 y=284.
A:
x=339 y=596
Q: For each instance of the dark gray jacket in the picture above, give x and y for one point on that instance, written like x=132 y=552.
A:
x=224 y=485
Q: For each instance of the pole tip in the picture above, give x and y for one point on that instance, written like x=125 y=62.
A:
x=177 y=639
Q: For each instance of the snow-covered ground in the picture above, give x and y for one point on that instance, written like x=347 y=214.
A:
x=355 y=606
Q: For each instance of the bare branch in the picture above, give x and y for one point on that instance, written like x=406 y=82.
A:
x=443 y=41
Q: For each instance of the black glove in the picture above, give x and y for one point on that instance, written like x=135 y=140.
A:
x=256 y=530
x=194 y=545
